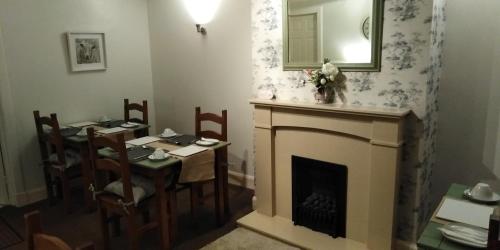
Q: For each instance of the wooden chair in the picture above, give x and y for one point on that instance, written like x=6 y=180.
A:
x=137 y=107
x=59 y=165
x=196 y=188
x=37 y=240
x=494 y=230
x=125 y=197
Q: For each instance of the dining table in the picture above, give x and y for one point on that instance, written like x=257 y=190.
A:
x=80 y=144
x=159 y=170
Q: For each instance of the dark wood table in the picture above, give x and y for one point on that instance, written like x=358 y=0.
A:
x=158 y=170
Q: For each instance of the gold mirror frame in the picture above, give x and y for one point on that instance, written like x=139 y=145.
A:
x=376 y=44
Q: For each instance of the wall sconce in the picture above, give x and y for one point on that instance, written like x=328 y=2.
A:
x=202 y=12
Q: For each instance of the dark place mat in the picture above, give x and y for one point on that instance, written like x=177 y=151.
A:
x=136 y=153
x=111 y=124
x=8 y=236
x=182 y=140
x=67 y=132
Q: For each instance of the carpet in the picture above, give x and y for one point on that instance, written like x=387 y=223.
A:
x=242 y=238
x=8 y=236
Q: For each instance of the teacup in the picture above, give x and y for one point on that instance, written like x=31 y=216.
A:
x=159 y=154
x=482 y=191
x=104 y=118
x=168 y=132
x=82 y=132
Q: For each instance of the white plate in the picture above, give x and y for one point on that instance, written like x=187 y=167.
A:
x=458 y=232
x=129 y=125
x=152 y=157
x=210 y=139
x=205 y=143
x=494 y=198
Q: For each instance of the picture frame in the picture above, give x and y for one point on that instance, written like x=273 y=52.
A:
x=87 y=51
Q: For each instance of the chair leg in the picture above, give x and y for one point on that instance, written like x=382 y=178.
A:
x=172 y=207
x=103 y=214
x=66 y=192
x=133 y=233
x=49 y=186
x=146 y=217
x=201 y=195
x=194 y=198
x=115 y=225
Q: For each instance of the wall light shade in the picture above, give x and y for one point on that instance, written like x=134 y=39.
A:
x=202 y=11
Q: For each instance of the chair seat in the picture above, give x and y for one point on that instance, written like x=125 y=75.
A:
x=142 y=188
x=72 y=158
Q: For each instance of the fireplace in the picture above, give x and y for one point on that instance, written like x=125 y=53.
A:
x=368 y=141
x=319 y=195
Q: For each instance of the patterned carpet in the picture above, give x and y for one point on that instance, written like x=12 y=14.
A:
x=8 y=236
x=243 y=239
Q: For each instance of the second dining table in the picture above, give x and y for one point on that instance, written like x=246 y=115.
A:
x=159 y=170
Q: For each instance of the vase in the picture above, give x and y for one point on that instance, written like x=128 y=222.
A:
x=325 y=95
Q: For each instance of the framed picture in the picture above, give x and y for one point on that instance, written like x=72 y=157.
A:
x=87 y=51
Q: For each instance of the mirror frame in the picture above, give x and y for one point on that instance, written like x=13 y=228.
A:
x=376 y=29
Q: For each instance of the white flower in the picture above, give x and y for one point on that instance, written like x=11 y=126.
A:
x=329 y=69
x=332 y=77
x=322 y=81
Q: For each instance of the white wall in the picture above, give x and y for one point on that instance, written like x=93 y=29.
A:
x=37 y=65
x=212 y=71
x=470 y=76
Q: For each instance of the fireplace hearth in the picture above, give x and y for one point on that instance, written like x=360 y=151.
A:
x=319 y=195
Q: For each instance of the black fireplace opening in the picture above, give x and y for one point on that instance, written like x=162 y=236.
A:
x=319 y=195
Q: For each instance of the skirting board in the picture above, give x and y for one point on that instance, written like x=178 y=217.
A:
x=241 y=180
x=31 y=196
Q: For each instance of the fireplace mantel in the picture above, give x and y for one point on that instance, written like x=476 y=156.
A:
x=367 y=140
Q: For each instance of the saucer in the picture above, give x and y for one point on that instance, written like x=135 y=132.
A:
x=129 y=125
x=152 y=157
x=168 y=135
x=493 y=199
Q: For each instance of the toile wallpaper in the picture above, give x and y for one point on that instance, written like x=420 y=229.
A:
x=409 y=78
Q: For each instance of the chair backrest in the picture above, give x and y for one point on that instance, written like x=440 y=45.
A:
x=50 y=140
x=119 y=168
x=138 y=107
x=37 y=240
x=221 y=120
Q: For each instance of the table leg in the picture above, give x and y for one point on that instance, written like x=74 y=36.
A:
x=161 y=207
x=87 y=178
x=225 y=181
x=220 y=188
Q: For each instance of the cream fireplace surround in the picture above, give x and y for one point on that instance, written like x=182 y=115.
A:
x=366 y=140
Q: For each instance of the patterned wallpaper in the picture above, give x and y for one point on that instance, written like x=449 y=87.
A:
x=409 y=78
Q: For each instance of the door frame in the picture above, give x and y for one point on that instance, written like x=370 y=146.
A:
x=7 y=125
x=318 y=11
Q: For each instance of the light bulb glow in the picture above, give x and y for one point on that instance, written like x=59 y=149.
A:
x=202 y=11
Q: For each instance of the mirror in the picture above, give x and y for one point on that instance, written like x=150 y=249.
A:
x=348 y=32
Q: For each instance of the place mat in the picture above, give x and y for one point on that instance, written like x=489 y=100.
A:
x=197 y=167
x=112 y=130
x=136 y=153
x=127 y=135
x=70 y=131
x=112 y=123
x=8 y=236
x=462 y=211
x=182 y=140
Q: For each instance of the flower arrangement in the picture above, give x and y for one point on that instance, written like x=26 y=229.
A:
x=328 y=81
